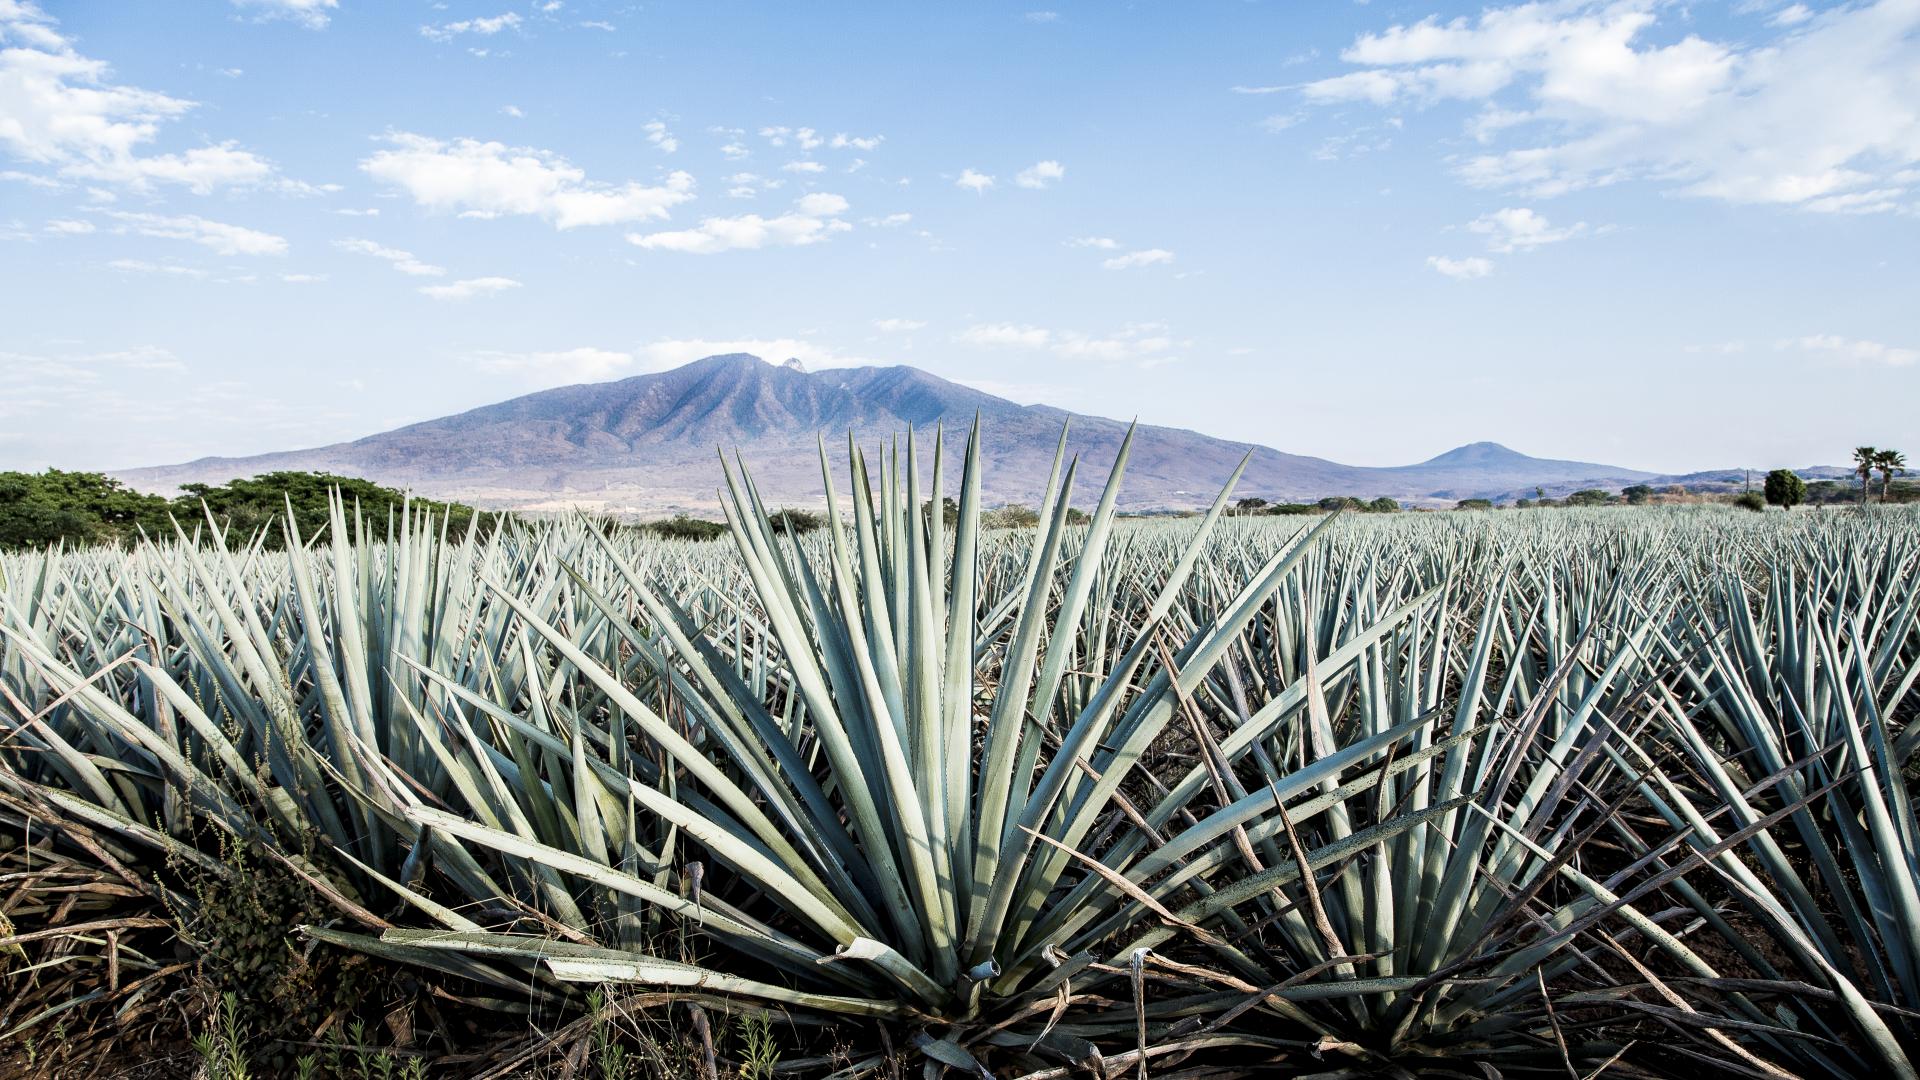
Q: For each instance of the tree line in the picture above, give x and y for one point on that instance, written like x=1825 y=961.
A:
x=61 y=507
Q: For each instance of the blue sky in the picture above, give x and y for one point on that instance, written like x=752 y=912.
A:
x=1658 y=235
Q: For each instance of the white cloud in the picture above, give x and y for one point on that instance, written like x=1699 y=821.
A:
x=311 y=14
x=69 y=227
x=141 y=266
x=1104 y=243
x=200 y=170
x=469 y=288
x=821 y=204
x=812 y=221
x=1465 y=269
x=63 y=110
x=557 y=368
x=1134 y=260
x=975 y=182
x=899 y=326
x=1837 y=349
x=1517 y=228
x=303 y=279
x=1147 y=344
x=489 y=179
x=1604 y=92
x=514 y=111
x=735 y=151
x=1871 y=201
x=1042 y=17
x=1791 y=15
x=75 y=374
x=1006 y=334
x=806 y=137
x=141 y=358
x=891 y=221
x=221 y=237
x=484 y=27
x=402 y=261
x=29 y=179
x=842 y=141
x=803 y=167
x=658 y=135
x=1041 y=174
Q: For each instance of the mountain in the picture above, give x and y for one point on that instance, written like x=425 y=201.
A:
x=648 y=444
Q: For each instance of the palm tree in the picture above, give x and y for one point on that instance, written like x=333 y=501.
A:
x=1865 y=460
x=1891 y=463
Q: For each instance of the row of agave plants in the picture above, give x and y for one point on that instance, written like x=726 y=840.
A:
x=1571 y=793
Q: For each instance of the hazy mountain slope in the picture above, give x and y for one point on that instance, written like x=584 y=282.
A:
x=649 y=443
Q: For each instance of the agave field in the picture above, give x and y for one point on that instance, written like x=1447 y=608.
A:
x=1572 y=793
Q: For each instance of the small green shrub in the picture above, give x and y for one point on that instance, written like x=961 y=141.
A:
x=685 y=527
x=1010 y=516
x=796 y=522
x=1750 y=500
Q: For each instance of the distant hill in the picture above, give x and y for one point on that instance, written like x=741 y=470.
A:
x=648 y=444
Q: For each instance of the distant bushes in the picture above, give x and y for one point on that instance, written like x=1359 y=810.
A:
x=1258 y=506
x=683 y=527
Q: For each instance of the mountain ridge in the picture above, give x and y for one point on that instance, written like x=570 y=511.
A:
x=646 y=443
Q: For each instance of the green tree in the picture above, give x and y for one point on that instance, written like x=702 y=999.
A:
x=247 y=507
x=949 y=512
x=1785 y=489
x=1750 y=500
x=1865 y=460
x=1474 y=504
x=1590 y=497
x=1637 y=494
x=1252 y=504
x=37 y=509
x=1890 y=463
x=1383 y=505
